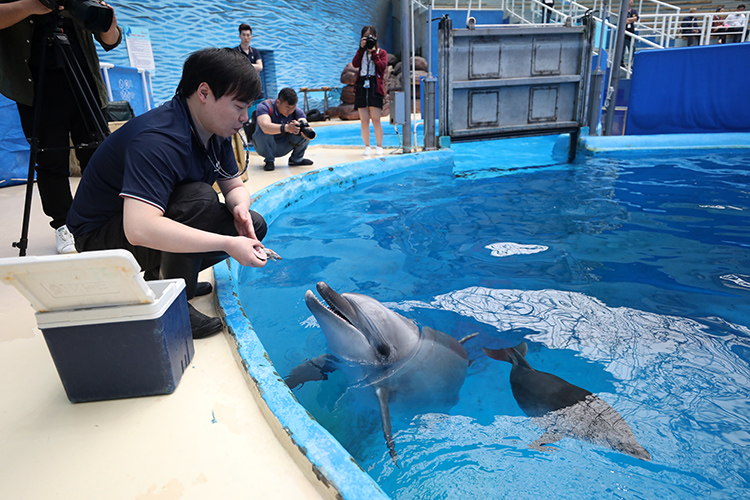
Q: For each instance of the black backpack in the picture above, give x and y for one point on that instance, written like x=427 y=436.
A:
x=249 y=127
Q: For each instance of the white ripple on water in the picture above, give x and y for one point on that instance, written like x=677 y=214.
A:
x=506 y=248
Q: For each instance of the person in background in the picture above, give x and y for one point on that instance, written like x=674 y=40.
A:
x=23 y=26
x=734 y=24
x=149 y=186
x=282 y=128
x=689 y=27
x=717 y=25
x=632 y=18
x=252 y=54
x=371 y=61
x=550 y=4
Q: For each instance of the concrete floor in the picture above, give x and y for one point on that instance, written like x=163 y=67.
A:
x=207 y=440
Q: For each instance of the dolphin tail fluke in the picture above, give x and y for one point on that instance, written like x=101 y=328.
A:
x=385 y=417
x=498 y=354
x=542 y=444
x=522 y=349
x=506 y=354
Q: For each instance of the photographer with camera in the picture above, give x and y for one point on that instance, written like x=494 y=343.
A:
x=24 y=29
x=282 y=128
x=370 y=88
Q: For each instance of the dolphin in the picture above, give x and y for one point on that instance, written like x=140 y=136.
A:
x=565 y=410
x=385 y=354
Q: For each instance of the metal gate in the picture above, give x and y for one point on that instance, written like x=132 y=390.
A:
x=513 y=80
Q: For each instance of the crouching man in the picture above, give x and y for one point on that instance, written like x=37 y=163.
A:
x=282 y=127
x=148 y=187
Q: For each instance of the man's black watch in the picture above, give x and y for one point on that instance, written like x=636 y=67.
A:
x=282 y=128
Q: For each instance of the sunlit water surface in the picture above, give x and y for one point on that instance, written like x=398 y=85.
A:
x=627 y=277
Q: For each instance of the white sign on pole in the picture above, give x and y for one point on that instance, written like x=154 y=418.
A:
x=139 y=48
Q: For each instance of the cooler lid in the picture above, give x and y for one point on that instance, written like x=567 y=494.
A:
x=76 y=281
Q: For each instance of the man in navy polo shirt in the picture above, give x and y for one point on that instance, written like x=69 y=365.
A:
x=148 y=188
x=252 y=54
x=278 y=130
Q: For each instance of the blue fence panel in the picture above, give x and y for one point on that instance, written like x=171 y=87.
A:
x=129 y=84
x=690 y=90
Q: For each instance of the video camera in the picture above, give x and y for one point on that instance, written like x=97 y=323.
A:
x=370 y=42
x=305 y=128
x=89 y=14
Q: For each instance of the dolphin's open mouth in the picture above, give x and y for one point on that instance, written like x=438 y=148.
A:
x=335 y=303
x=345 y=311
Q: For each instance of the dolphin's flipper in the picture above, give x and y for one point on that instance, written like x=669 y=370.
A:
x=468 y=337
x=312 y=369
x=385 y=417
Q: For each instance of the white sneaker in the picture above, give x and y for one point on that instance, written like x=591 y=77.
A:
x=65 y=241
x=379 y=151
x=366 y=151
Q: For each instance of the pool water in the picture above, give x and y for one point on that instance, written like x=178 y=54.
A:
x=629 y=277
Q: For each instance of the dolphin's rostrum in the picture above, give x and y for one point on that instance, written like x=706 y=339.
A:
x=384 y=354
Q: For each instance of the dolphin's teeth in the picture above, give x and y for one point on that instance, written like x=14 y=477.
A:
x=337 y=313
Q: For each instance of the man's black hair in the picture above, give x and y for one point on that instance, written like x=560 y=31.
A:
x=226 y=71
x=288 y=95
x=246 y=27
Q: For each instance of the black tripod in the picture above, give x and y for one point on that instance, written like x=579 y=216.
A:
x=86 y=101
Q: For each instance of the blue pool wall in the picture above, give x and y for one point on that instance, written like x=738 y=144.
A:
x=317 y=451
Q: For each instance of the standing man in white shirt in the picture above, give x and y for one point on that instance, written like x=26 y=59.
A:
x=735 y=23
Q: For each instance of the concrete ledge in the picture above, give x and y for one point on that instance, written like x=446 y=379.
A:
x=320 y=456
x=594 y=145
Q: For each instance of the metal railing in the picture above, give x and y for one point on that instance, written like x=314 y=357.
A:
x=668 y=28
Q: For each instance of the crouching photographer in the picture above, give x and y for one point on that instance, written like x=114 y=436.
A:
x=280 y=128
x=26 y=27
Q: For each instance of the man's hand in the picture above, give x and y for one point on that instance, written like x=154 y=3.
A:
x=292 y=127
x=247 y=251
x=243 y=222
x=111 y=36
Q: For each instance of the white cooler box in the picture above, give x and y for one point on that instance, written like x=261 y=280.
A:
x=110 y=333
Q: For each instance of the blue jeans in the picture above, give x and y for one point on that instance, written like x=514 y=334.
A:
x=269 y=148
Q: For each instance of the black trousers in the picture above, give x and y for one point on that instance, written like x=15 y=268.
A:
x=60 y=119
x=196 y=205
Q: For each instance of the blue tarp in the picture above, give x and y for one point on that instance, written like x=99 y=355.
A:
x=14 y=149
x=690 y=90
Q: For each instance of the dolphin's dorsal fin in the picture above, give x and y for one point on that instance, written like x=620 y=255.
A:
x=385 y=417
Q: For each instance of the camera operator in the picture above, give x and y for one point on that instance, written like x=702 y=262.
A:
x=371 y=61
x=282 y=127
x=24 y=25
